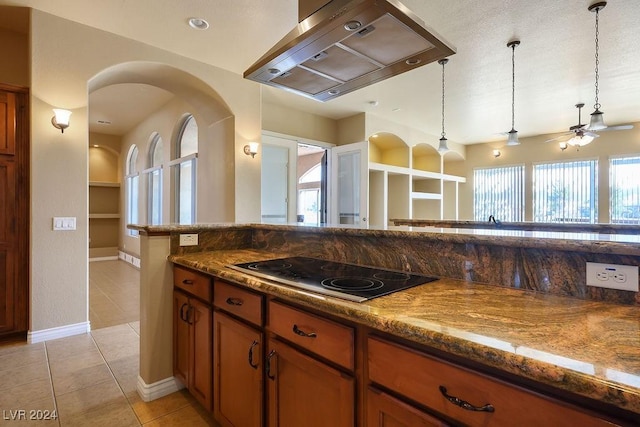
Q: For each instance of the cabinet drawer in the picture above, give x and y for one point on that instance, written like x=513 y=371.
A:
x=234 y=300
x=425 y=379
x=326 y=338
x=196 y=284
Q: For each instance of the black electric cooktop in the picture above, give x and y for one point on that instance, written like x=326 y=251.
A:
x=352 y=282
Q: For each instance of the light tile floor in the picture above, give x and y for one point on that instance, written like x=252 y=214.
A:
x=90 y=379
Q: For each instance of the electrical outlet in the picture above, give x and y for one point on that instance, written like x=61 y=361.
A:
x=623 y=277
x=188 y=240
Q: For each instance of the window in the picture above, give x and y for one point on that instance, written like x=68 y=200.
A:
x=132 y=178
x=565 y=192
x=185 y=172
x=499 y=192
x=155 y=181
x=625 y=190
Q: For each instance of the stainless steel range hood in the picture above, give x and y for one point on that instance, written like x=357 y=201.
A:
x=344 y=45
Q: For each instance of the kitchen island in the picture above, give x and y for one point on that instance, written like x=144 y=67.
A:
x=584 y=350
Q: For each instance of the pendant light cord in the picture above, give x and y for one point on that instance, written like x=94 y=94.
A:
x=597 y=104
x=443 y=133
x=513 y=86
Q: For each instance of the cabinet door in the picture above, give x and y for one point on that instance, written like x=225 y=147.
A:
x=305 y=392
x=238 y=371
x=180 y=337
x=201 y=351
x=386 y=411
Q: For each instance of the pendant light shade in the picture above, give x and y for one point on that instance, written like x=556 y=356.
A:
x=442 y=147
x=597 y=117
x=513 y=133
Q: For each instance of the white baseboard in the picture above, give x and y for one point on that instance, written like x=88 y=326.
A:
x=104 y=258
x=58 y=332
x=149 y=392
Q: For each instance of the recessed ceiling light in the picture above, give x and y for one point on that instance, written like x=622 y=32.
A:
x=395 y=110
x=198 y=23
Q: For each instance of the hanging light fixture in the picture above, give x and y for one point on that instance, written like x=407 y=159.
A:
x=597 y=120
x=442 y=148
x=513 y=133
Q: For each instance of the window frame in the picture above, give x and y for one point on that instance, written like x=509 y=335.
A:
x=177 y=163
x=634 y=220
x=150 y=172
x=132 y=177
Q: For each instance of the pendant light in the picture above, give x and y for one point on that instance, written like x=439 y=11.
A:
x=442 y=148
x=513 y=133
x=597 y=120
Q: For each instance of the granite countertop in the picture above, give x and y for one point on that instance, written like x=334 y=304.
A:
x=584 y=347
x=591 y=242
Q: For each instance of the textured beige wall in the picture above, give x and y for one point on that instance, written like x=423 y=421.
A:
x=533 y=150
x=59 y=78
x=14 y=46
x=287 y=121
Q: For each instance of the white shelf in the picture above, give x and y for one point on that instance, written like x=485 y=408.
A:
x=454 y=178
x=415 y=195
x=390 y=169
x=104 y=184
x=104 y=216
x=420 y=174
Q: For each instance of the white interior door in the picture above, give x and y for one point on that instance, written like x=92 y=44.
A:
x=275 y=184
x=349 y=171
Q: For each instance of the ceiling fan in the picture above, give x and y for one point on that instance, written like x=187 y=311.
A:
x=579 y=134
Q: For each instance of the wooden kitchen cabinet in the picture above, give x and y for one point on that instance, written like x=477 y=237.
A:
x=463 y=395
x=303 y=391
x=386 y=411
x=238 y=354
x=192 y=339
x=238 y=373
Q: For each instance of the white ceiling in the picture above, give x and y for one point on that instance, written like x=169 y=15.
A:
x=554 y=64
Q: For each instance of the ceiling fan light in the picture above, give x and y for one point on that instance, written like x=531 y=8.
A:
x=597 y=121
x=442 y=148
x=580 y=141
x=513 y=138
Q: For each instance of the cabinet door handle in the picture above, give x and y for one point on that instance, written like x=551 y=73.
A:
x=234 y=301
x=464 y=404
x=253 y=344
x=182 y=315
x=189 y=318
x=269 y=357
x=187 y=282
x=302 y=333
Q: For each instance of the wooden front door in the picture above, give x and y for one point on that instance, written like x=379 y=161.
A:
x=14 y=211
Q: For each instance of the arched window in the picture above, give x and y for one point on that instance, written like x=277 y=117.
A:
x=154 y=211
x=132 y=179
x=185 y=171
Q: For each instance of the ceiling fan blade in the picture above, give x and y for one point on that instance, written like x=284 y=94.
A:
x=557 y=138
x=592 y=134
x=619 y=127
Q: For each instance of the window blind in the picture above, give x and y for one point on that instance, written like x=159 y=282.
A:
x=499 y=192
x=624 y=190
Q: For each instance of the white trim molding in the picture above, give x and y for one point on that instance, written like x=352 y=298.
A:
x=104 y=258
x=149 y=392
x=135 y=261
x=58 y=332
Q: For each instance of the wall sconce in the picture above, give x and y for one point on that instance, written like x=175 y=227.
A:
x=60 y=120
x=563 y=145
x=251 y=149
x=496 y=153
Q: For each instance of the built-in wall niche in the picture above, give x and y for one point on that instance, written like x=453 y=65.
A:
x=425 y=158
x=388 y=149
x=104 y=203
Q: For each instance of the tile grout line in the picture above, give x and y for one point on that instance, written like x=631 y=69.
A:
x=114 y=378
x=53 y=390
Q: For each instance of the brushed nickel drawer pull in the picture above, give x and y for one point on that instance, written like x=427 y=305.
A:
x=269 y=357
x=234 y=301
x=253 y=344
x=302 y=333
x=187 y=282
x=464 y=404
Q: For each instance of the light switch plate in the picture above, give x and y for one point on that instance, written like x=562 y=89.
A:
x=612 y=276
x=64 y=223
x=188 y=240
